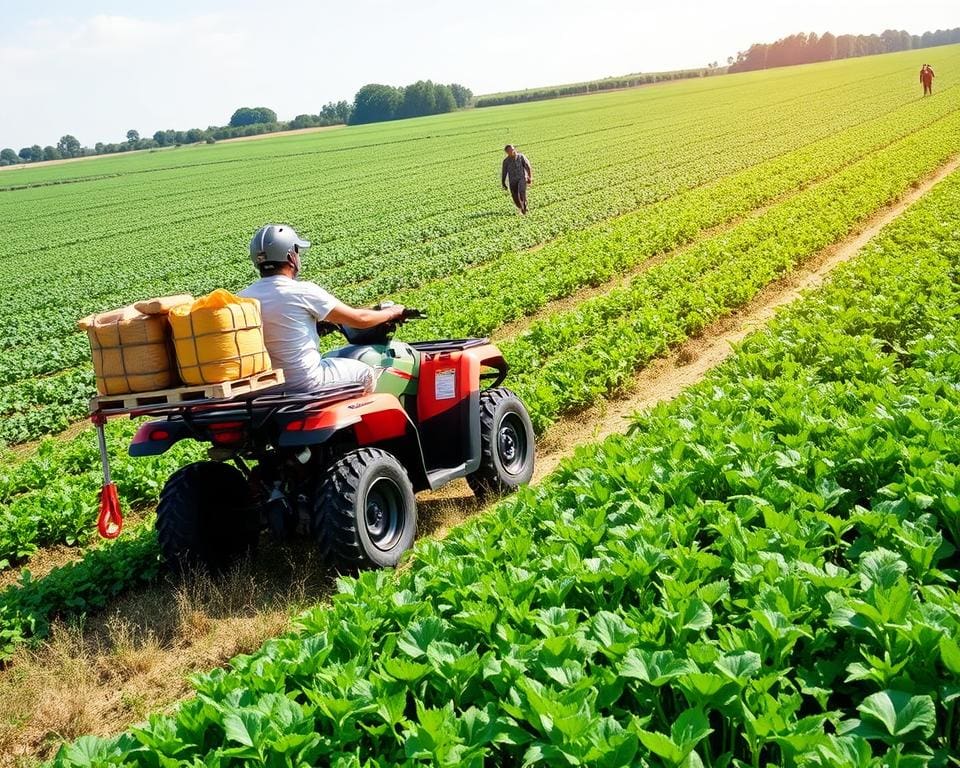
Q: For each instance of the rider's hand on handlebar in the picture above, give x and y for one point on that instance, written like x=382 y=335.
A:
x=396 y=312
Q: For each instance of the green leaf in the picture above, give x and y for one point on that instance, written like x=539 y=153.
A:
x=613 y=633
x=86 y=752
x=706 y=685
x=654 y=667
x=661 y=745
x=950 y=654
x=696 y=615
x=405 y=670
x=899 y=716
x=244 y=727
x=416 y=638
x=689 y=729
x=739 y=667
x=881 y=568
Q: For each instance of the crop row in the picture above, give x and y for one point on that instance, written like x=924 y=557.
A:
x=762 y=573
x=28 y=607
x=571 y=358
x=856 y=83
x=479 y=300
x=51 y=498
x=395 y=245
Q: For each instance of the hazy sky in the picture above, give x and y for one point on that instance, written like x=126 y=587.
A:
x=99 y=67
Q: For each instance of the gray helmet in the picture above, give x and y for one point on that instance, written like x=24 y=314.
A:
x=275 y=243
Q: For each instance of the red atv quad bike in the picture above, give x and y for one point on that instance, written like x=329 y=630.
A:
x=338 y=464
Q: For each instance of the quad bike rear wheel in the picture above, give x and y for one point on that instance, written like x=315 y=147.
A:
x=365 y=513
x=205 y=518
x=506 y=444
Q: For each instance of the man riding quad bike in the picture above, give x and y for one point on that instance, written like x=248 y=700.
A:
x=339 y=452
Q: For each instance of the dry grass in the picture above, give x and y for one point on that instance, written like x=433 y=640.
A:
x=446 y=509
x=100 y=675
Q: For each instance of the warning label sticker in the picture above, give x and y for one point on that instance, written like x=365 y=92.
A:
x=445 y=384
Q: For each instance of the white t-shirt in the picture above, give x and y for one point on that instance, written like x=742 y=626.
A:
x=290 y=310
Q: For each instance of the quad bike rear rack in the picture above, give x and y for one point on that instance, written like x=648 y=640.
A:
x=110 y=518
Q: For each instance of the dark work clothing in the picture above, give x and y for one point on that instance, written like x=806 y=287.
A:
x=926 y=78
x=516 y=168
x=519 y=191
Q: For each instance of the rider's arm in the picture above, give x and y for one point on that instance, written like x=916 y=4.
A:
x=358 y=317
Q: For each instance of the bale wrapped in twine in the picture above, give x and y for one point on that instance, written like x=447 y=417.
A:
x=219 y=337
x=131 y=351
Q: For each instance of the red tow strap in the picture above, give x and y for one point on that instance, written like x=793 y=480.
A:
x=110 y=521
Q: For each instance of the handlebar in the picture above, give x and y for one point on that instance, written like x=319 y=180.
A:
x=409 y=313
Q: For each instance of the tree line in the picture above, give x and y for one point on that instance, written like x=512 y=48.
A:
x=592 y=86
x=372 y=103
x=806 y=49
x=245 y=121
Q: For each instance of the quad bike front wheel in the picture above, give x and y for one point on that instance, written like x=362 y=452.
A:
x=506 y=444
x=205 y=518
x=365 y=513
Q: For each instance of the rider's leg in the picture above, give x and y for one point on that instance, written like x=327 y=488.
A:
x=341 y=370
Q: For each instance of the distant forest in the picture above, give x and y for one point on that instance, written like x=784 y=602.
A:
x=375 y=103
x=806 y=49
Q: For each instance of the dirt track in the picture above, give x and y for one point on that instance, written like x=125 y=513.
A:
x=664 y=378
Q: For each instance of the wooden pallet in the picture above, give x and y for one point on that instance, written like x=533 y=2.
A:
x=221 y=390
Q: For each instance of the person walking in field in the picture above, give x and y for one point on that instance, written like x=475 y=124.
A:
x=517 y=169
x=290 y=310
x=926 y=79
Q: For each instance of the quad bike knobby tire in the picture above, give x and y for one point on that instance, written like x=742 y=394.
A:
x=506 y=444
x=365 y=513
x=205 y=518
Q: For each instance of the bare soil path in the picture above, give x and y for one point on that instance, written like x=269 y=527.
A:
x=666 y=378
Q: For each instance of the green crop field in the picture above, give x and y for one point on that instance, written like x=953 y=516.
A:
x=403 y=207
x=764 y=573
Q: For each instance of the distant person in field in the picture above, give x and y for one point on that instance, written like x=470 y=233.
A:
x=926 y=78
x=516 y=167
x=291 y=308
